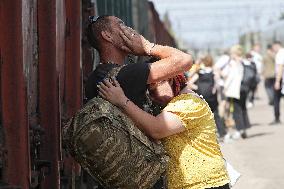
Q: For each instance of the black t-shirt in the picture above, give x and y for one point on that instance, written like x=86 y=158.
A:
x=132 y=79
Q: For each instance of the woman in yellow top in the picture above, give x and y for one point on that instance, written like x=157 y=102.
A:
x=187 y=129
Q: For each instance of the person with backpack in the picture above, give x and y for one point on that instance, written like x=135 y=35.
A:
x=205 y=82
x=252 y=78
x=236 y=90
x=257 y=59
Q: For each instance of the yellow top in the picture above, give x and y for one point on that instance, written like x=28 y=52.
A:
x=196 y=161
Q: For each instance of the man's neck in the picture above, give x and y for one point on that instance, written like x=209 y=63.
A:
x=113 y=56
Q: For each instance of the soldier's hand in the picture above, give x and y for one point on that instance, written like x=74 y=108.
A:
x=134 y=43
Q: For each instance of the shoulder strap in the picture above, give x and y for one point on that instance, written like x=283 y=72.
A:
x=114 y=71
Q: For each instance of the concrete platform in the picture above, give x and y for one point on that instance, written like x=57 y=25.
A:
x=260 y=157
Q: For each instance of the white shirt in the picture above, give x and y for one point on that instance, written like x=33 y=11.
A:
x=221 y=64
x=206 y=70
x=222 y=61
x=257 y=59
x=279 y=60
x=234 y=75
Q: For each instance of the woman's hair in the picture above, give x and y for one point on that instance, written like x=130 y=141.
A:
x=248 y=55
x=178 y=83
x=237 y=50
x=207 y=61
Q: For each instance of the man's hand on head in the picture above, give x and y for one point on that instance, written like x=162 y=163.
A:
x=134 y=43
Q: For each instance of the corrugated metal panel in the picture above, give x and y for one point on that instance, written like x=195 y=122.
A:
x=119 y=8
x=51 y=59
x=13 y=92
x=88 y=54
x=72 y=99
x=30 y=59
x=141 y=18
x=162 y=36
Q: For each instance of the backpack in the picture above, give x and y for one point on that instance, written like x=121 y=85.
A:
x=250 y=79
x=205 y=85
x=108 y=145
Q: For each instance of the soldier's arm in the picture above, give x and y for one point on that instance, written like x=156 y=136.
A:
x=172 y=62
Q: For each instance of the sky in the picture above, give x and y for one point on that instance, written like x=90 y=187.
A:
x=218 y=23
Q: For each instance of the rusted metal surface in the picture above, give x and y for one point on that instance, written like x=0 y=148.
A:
x=51 y=60
x=30 y=48
x=157 y=27
x=73 y=78
x=31 y=58
x=13 y=93
x=72 y=99
x=88 y=54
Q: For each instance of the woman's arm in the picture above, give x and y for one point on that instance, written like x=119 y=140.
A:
x=165 y=124
x=172 y=62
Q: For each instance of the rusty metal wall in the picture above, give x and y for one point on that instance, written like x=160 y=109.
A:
x=72 y=94
x=119 y=8
x=158 y=29
x=44 y=60
x=40 y=84
x=13 y=92
x=51 y=28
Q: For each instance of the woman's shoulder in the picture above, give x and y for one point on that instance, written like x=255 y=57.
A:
x=191 y=109
x=185 y=103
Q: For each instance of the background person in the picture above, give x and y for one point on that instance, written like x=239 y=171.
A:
x=252 y=71
x=257 y=59
x=205 y=83
x=269 y=73
x=279 y=72
x=233 y=75
x=221 y=64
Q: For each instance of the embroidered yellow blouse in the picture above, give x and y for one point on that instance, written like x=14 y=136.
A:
x=196 y=159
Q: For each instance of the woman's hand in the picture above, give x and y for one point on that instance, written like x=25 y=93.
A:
x=112 y=92
x=135 y=43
